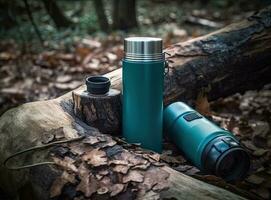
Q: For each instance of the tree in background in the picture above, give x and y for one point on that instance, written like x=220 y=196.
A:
x=103 y=23
x=124 y=14
x=60 y=20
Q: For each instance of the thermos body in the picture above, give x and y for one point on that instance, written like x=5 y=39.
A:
x=209 y=147
x=143 y=82
x=143 y=103
x=193 y=134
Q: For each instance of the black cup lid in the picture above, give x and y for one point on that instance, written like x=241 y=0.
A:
x=224 y=157
x=98 y=84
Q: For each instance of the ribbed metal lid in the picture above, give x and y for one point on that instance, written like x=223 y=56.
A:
x=143 y=48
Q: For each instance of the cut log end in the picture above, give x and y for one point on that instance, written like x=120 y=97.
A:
x=100 y=111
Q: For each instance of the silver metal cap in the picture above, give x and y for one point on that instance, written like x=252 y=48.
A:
x=143 y=49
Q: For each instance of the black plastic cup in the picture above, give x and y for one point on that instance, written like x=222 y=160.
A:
x=98 y=84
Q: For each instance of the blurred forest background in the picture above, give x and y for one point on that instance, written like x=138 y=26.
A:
x=48 y=47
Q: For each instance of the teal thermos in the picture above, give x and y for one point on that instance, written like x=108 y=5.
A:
x=209 y=147
x=143 y=82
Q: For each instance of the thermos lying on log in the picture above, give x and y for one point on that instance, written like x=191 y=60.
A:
x=143 y=82
x=207 y=146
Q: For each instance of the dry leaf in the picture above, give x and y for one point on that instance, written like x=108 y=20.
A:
x=59 y=183
x=98 y=177
x=79 y=148
x=88 y=185
x=155 y=179
x=103 y=172
x=116 y=189
x=143 y=166
x=254 y=179
x=169 y=159
x=248 y=144
x=67 y=163
x=91 y=140
x=263 y=192
x=148 y=195
x=68 y=86
x=95 y=157
x=133 y=159
x=133 y=175
x=119 y=162
x=260 y=152
x=70 y=132
x=109 y=144
x=57 y=186
x=102 y=190
x=202 y=104
x=154 y=156
x=63 y=78
x=121 y=169
x=47 y=137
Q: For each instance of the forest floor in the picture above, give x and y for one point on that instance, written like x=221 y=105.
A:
x=28 y=74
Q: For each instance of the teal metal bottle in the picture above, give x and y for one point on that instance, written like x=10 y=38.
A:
x=143 y=82
x=209 y=147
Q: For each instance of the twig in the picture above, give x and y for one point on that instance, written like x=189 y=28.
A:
x=39 y=147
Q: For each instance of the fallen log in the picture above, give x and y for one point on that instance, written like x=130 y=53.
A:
x=227 y=61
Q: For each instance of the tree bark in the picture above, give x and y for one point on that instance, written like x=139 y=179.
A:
x=124 y=14
x=99 y=8
x=60 y=20
x=230 y=60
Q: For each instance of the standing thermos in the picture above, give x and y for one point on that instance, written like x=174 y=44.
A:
x=143 y=82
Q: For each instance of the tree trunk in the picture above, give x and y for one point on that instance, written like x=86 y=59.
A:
x=230 y=60
x=124 y=14
x=99 y=8
x=60 y=20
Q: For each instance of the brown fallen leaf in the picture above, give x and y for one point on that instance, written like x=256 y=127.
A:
x=108 y=144
x=106 y=182
x=254 y=179
x=70 y=132
x=142 y=167
x=91 y=140
x=116 y=189
x=66 y=163
x=7 y=56
x=262 y=192
x=59 y=183
x=119 y=162
x=156 y=179
x=63 y=78
x=169 y=159
x=102 y=190
x=149 y=195
x=68 y=86
x=133 y=175
x=183 y=168
x=103 y=172
x=260 y=152
x=88 y=185
x=95 y=158
x=79 y=148
x=59 y=134
x=248 y=144
x=202 y=104
x=154 y=156
x=121 y=169
x=47 y=137
x=133 y=159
